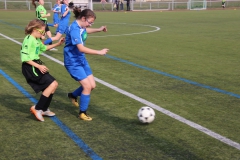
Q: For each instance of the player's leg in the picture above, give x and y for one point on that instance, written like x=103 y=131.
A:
x=74 y=95
x=41 y=108
x=85 y=99
x=48 y=92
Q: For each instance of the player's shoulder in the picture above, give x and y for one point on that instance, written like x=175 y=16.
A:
x=63 y=5
x=74 y=25
x=40 y=8
x=31 y=41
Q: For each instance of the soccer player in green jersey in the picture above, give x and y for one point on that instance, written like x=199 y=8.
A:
x=223 y=3
x=42 y=14
x=36 y=73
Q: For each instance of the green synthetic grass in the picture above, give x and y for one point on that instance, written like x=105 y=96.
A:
x=201 y=46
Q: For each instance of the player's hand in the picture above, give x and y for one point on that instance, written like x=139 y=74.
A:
x=43 y=69
x=48 y=14
x=42 y=37
x=61 y=41
x=103 y=28
x=103 y=51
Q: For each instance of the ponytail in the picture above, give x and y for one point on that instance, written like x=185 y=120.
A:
x=78 y=13
x=33 y=3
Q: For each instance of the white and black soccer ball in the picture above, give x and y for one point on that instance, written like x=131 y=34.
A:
x=146 y=114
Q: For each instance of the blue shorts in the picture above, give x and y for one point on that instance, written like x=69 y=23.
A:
x=79 y=72
x=62 y=28
x=56 y=20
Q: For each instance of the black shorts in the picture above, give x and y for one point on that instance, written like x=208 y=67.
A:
x=34 y=77
x=46 y=27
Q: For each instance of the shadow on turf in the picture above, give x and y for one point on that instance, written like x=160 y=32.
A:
x=137 y=130
x=21 y=103
x=134 y=128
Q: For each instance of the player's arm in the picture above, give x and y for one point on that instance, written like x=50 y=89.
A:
x=66 y=12
x=86 y=50
x=43 y=15
x=42 y=68
x=94 y=30
x=54 y=11
x=60 y=42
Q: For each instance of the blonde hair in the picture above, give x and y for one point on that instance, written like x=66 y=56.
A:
x=36 y=23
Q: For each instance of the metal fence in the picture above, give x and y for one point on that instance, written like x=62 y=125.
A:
x=135 y=5
x=21 y=5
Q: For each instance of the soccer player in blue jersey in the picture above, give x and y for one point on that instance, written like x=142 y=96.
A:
x=56 y=12
x=64 y=21
x=75 y=61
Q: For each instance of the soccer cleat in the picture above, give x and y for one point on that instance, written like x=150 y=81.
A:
x=73 y=99
x=85 y=117
x=48 y=113
x=53 y=49
x=37 y=113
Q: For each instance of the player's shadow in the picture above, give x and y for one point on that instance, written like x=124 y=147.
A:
x=17 y=102
x=21 y=103
x=136 y=129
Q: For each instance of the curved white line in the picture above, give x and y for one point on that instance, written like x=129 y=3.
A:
x=130 y=34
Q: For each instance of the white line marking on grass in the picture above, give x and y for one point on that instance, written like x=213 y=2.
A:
x=12 y=38
x=164 y=111
x=130 y=34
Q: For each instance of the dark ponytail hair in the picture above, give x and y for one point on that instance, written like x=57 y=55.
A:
x=33 y=3
x=71 y=5
x=78 y=13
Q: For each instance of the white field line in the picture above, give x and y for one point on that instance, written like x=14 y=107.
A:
x=155 y=29
x=12 y=38
x=130 y=34
x=164 y=111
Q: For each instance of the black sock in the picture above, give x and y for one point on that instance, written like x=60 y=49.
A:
x=48 y=102
x=41 y=103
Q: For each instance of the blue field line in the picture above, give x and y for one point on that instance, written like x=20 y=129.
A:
x=162 y=73
x=174 y=77
x=12 y=25
x=65 y=129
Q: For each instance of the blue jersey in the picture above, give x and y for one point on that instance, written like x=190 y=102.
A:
x=63 y=24
x=74 y=35
x=65 y=20
x=57 y=10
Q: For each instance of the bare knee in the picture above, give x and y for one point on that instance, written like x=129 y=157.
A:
x=94 y=86
x=54 y=85
x=88 y=88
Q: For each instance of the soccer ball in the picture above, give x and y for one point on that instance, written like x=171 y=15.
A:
x=146 y=114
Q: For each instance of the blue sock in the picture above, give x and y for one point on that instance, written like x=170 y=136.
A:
x=77 y=92
x=84 y=102
x=49 y=40
x=50 y=24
